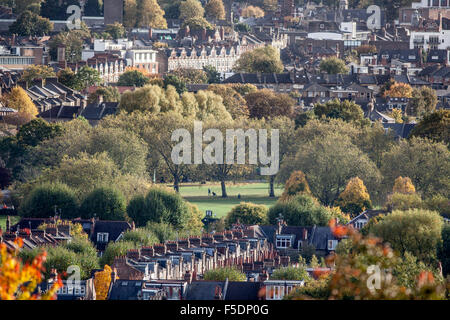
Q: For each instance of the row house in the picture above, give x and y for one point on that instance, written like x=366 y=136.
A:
x=220 y=57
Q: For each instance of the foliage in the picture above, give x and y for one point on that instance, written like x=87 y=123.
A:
x=290 y=273
x=423 y=101
x=43 y=200
x=102 y=281
x=197 y=23
x=140 y=237
x=247 y=213
x=31 y=24
x=215 y=10
x=108 y=94
x=143 y=14
x=106 y=203
x=191 y=9
x=265 y=103
x=444 y=250
x=221 y=274
x=399 y=90
x=333 y=65
x=355 y=198
x=234 y=102
x=114 y=250
x=403 y=201
x=416 y=231
x=252 y=12
x=403 y=185
x=19 y=100
x=72 y=40
x=296 y=184
x=177 y=83
x=18 y=281
x=212 y=74
x=265 y=59
x=336 y=109
x=434 y=126
x=190 y=75
x=422 y=160
x=301 y=210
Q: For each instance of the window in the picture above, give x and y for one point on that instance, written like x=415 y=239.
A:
x=332 y=244
x=283 y=242
x=102 y=237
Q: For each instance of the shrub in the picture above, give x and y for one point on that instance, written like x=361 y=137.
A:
x=247 y=213
x=104 y=203
x=116 y=249
x=290 y=273
x=221 y=274
x=44 y=199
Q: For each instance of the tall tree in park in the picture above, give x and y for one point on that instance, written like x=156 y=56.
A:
x=19 y=100
x=355 y=198
x=434 y=126
x=37 y=72
x=190 y=9
x=247 y=213
x=233 y=101
x=333 y=65
x=93 y=8
x=423 y=101
x=264 y=60
x=333 y=150
x=267 y=104
x=57 y=9
x=424 y=161
x=215 y=10
x=31 y=24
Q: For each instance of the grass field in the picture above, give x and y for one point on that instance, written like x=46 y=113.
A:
x=250 y=192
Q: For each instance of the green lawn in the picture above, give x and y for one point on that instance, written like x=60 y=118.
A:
x=250 y=192
x=14 y=220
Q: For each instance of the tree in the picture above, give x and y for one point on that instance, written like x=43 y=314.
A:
x=191 y=9
x=415 y=231
x=86 y=77
x=333 y=65
x=422 y=160
x=329 y=161
x=301 y=210
x=403 y=185
x=444 y=250
x=36 y=131
x=336 y=109
x=434 y=126
x=423 y=101
x=56 y=9
x=176 y=82
x=265 y=60
x=31 y=24
x=5 y=178
x=197 y=23
x=102 y=281
x=68 y=78
x=115 y=30
x=105 y=203
x=114 y=250
x=133 y=78
x=252 y=12
x=295 y=185
x=290 y=273
x=215 y=10
x=247 y=213
x=47 y=200
x=141 y=237
x=355 y=198
x=235 y=104
x=265 y=103
x=72 y=40
x=221 y=274
x=108 y=94
x=37 y=72
x=212 y=74
x=93 y=8
x=130 y=14
x=19 y=281
x=190 y=75
x=403 y=201
x=159 y=205
x=399 y=90
x=149 y=14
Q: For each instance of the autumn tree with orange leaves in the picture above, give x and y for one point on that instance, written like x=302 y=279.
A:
x=19 y=281
x=102 y=281
x=296 y=184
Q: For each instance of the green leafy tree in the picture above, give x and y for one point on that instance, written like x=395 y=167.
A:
x=290 y=273
x=302 y=210
x=221 y=274
x=191 y=9
x=132 y=78
x=114 y=250
x=115 y=30
x=434 y=126
x=265 y=103
x=37 y=72
x=345 y=110
x=333 y=65
x=172 y=80
x=416 y=231
x=247 y=213
x=108 y=94
x=49 y=199
x=105 y=203
x=191 y=75
x=215 y=10
x=264 y=60
x=86 y=77
x=423 y=101
x=31 y=24
x=141 y=237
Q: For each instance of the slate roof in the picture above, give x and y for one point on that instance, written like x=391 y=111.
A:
x=401 y=130
x=125 y=289
x=203 y=290
x=95 y=111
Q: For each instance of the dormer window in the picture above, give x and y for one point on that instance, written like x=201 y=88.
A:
x=284 y=242
x=102 y=237
x=332 y=245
